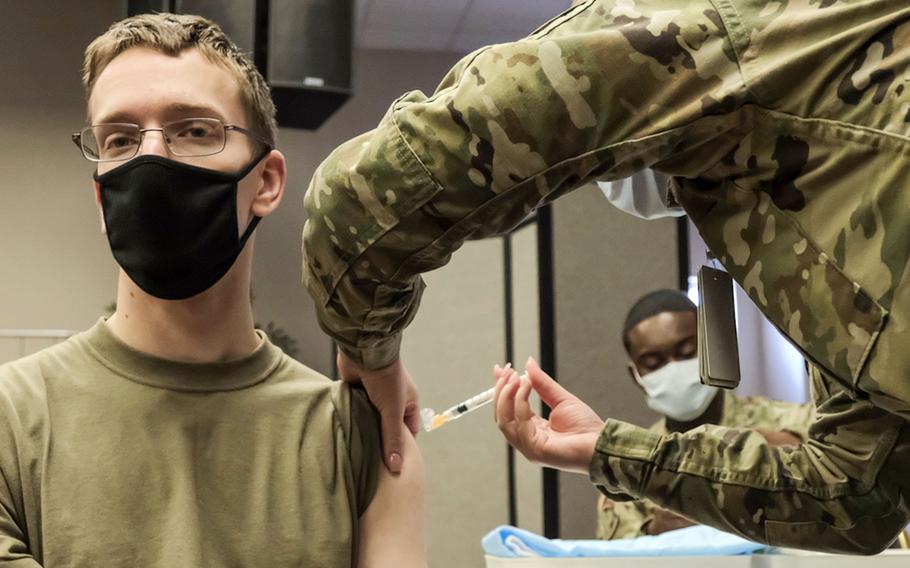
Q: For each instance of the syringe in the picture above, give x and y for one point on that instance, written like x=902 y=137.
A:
x=432 y=421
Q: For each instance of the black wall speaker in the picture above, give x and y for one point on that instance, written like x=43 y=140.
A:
x=302 y=47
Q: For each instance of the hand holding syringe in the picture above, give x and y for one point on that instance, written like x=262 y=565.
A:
x=432 y=421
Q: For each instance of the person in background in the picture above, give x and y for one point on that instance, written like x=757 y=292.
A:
x=660 y=337
x=173 y=433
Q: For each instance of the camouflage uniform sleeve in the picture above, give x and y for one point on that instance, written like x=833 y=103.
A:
x=616 y=520
x=626 y=519
x=796 y=418
x=761 y=412
x=841 y=491
x=604 y=90
x=790 y=417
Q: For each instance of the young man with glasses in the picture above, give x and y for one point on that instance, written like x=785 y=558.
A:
x=174 y=433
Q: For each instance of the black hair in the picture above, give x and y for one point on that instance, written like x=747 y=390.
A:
x=653 y=303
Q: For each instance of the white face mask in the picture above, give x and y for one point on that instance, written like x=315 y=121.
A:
x=643 y=195
x=675 y=390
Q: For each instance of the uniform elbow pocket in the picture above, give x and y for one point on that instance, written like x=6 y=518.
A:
x=864 y=536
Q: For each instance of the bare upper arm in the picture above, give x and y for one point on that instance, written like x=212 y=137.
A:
x=392 y=527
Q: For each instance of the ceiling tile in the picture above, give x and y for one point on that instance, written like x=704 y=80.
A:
x=467 y=42
x=523 y=16
x=449 y=25
x=419 y=39
x=416 y=13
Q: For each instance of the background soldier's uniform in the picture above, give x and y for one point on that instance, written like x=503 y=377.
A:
x=630 y=519
x=784 y=125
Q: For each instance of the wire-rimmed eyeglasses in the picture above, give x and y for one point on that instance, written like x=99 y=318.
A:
x=188 y=137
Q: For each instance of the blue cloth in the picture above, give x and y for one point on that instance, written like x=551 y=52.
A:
x=511 y=542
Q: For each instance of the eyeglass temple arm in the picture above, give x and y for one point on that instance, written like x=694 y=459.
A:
x=249 y=133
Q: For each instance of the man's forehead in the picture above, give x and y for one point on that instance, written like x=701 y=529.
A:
x=167 y=110
x=142 y=82
x=663 y=326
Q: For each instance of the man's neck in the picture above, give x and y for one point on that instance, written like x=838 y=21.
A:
x=214 y=326
x=712 y=415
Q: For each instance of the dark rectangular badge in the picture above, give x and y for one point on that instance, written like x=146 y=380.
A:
x=718 y=347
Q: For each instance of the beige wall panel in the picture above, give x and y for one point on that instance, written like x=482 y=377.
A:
x=56 y=269
x=526 y=342
x=604 y=260
x=379 y=78
x=450 y=349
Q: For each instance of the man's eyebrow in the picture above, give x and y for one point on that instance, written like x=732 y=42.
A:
x=186 y=109
x=654 y=352
x=174 y=109
x=115 y=117
x=660 y=352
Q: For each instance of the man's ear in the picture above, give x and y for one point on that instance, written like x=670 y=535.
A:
x=100 y=210
x=271 y=184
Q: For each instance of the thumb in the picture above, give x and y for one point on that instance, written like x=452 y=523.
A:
x=549 y=390
x=412 y=418
x=392 y=441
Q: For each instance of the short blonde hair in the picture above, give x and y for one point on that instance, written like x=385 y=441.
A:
x=172 y=34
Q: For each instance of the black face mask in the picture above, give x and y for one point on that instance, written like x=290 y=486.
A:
x=173 y=227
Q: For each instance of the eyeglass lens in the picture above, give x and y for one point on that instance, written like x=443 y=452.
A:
x=121 y=141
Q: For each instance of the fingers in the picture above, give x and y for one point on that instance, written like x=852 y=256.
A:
x=549 y=390
x=515 y=418
x=505 y=403
x=501 y=375
x=512 y=404
x=392 y=442
x=395 y=396
x=523 y=410
x=411 y=404
x=412 y=419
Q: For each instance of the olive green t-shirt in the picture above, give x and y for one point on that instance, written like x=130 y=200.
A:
x=111 y=457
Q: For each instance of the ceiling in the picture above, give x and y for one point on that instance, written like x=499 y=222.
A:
x=448 y=25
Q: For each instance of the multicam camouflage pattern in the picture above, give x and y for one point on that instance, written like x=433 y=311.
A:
x=629 y=519
x=844 y=490
x=785 y=124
